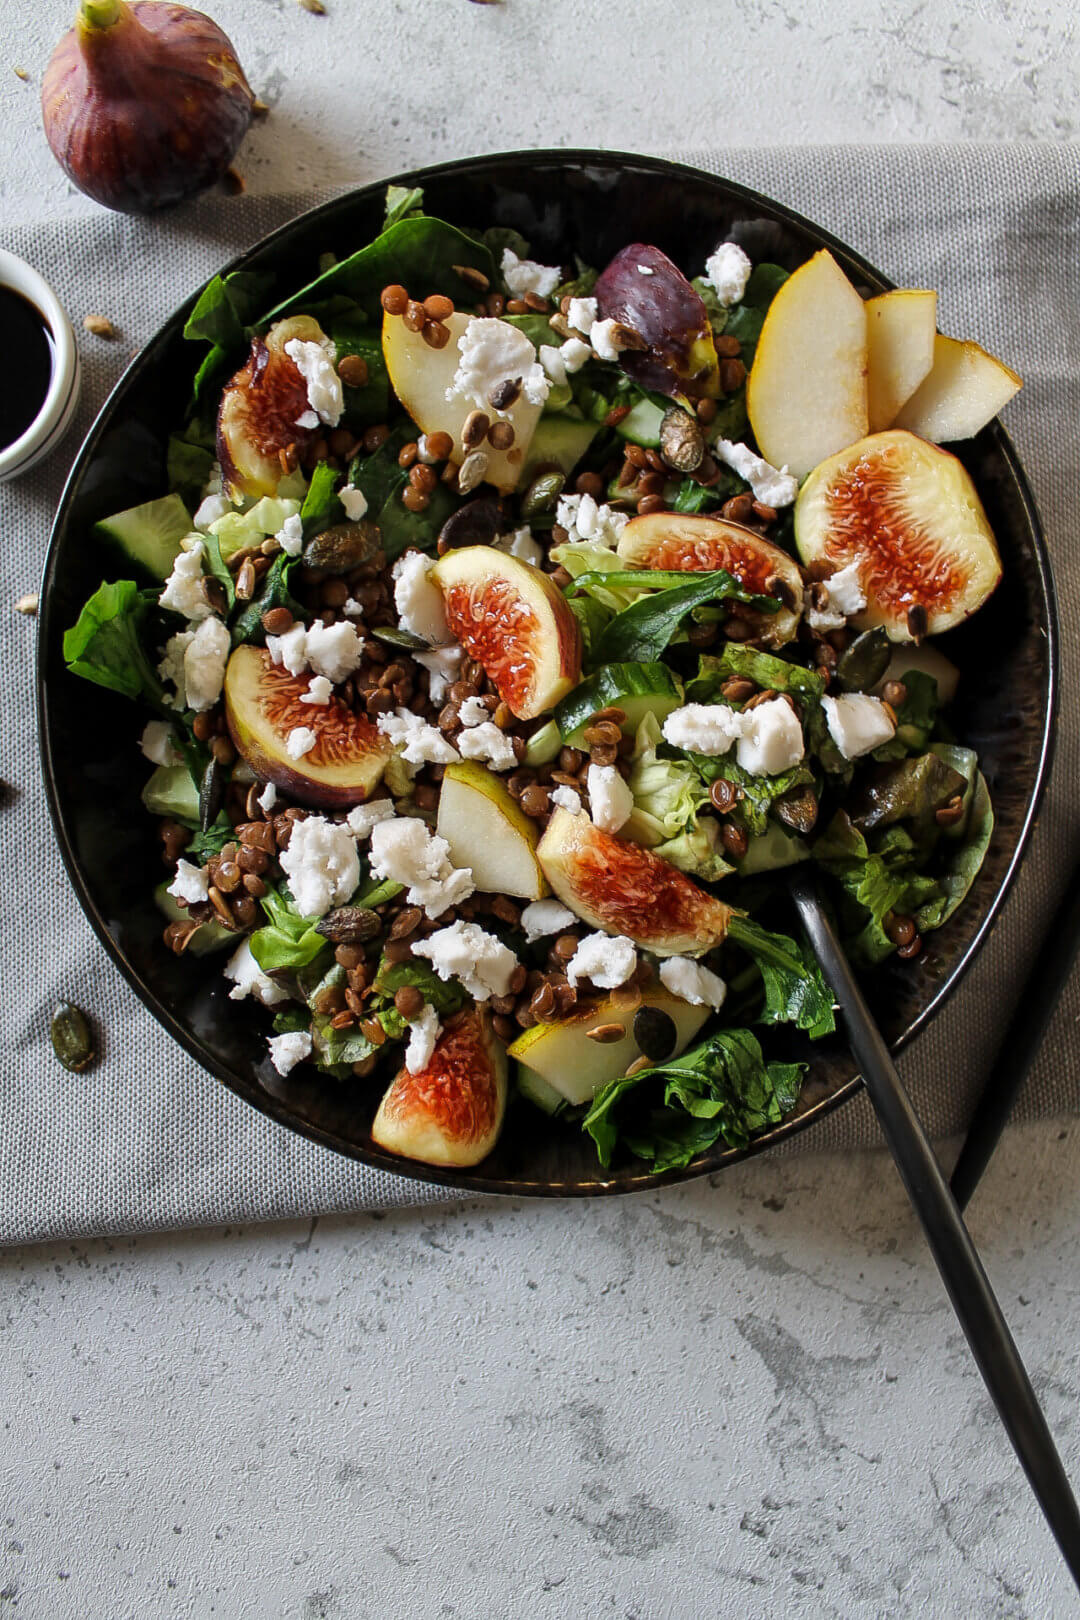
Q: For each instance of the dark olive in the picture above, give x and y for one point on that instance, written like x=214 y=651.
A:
x=211 y=793
x=342 y=547
x=682 y=442
x=349 y=925
x=71 y=1038
x=474 y=524
x=543 y=493
x=798 y=810
x=863 y=664
x=655 y=1033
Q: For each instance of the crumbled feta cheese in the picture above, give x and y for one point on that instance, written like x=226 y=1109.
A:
x=290 y=649
x=405 y=850
x=215 y=483
x=182 y=591
x=857 y=723
x=205 y=657
x=844 y=596
x=583 y=314
x=189 y=884
x=250 y=980
x=443 y=665
x=353 y=609
x=566 y=799
x=703 y=728
x=605 y=341
x=417 y=599
x=319 y=691
x=300 y=741
x=473 y=712
x=307 y=419
x=290 y=537
x=691 y=982
x=574 y=354
x=546 y=917
x=316 y=363
x=771 y=740
x=171 y=667
x=424 y=1031
x=363 y=817
x=157 y=743
x=463 y=951
x=583 y=519
x=521 y=544
x=417 y=742
x=526 y=276
x=333 y=650
x=610 y=800
x=354 y=501
x=492 y=351
x=645 y=270
x=287 y=1050
x=727 y=271
x=606 y=960
x=486 y=742
x=772 y=487
x=268 y=798
x=321 y=864
x=210 y=508
x=553 y=363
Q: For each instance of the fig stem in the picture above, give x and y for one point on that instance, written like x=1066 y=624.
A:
x=94 y=15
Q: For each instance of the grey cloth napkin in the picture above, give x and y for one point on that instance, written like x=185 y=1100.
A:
x=148 y=1141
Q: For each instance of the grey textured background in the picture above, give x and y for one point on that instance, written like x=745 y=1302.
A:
x=747 y=1399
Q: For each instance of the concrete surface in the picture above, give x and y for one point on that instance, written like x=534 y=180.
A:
x=747 y=1399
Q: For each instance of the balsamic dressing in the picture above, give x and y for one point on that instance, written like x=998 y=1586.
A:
x=28 y=363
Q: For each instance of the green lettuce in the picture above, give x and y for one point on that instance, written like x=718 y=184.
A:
x=287 y=940
x=105 y=645
x=795 y=991
x=668 y=795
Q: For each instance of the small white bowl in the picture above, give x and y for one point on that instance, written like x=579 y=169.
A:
x=51 y=422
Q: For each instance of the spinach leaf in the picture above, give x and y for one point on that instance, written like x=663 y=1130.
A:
x=497 y=238
x=227 y=305
x=188 y=466
x=445 y=996
x=216 y=567
x=210 y=841
x=722 y=1089
x=275 y=593
x=641 y=632
x=795 y=988
x=321 y=508
x=105 y=644
x=963 y=860
x=906 y=789
x=593 y=619
x=764 y=669
x=291 y=1020
x=758 y=794
x=287 y=940
x=371 y=403
x=402 y=202
x=336 y=1050
x=401 y=528
x=375 y=892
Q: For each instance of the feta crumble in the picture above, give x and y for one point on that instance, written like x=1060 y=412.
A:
x=363 y=818
x=466 y=952
x=287 y=1050
x=605 y=340
x=844 y=596
x=584 y=519
x=316 y=363
x=290 y=649
x=473 y=712
x=727 y=271
x=424 y=1031
x=771 y=740
x=567 y=799
x=321 y=864
x=210 y=509
x=405 y=850
x=157 y=743
x=610 y=799
x=268 y=798
x=544 y=917
x=691 y=982
x=583 y=314
x=486 y=742
x=290 y=537
x=417 y=599
x=521 y=544
x=703 y=728
x=249 y=979
x=194 y=662
x=300 y=741
x=526 y=276
x=606 y=960
x=319 y=691
x=492 y=351
x=333 y=650
x=182 y=590
x=416 y=741
x=443 y=665
x=857 y=723
x=190 y=883
x=354 y=501
x=771 y=486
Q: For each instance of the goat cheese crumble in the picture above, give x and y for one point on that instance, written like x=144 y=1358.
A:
x=567 y=799
x=268 y=798
x=354 y=501
x=727 y=270
x=466 y=952
x=334 y=651
x=562 y=361
x=364 y=818
x=290 y=537
x=424 y=1031
x=691 y=982
x=189 y=884
x=521 y=545
x=857 y=723
x=404 y=850
x=319 y=691
x=418 y=599
x=182 y=592
x=769 y=737
x=772 y=486
x=316 y=363
x=486 y=742
x=287 y=1050
x=194 y=661
x=473 y=712
x=416 y=741
x=606 y=960
x=321 y=864
x=844 y=596
x=300 y=741
x=544 y=917
x=157 y=743
x=492 y=351
x=584 y=519
x=604 y=337
x=610 y=799
x=210 y=509
x=249 y=979
x=443 y=665
x=526 y=276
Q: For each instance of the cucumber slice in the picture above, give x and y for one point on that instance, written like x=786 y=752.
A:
x=771 y=850
x=642 y=426
x=149 y=535
x=536 y=1089
x=543 y=746
x=559 y=441
x=208 y=937
x=171 y=793
x=636 y=689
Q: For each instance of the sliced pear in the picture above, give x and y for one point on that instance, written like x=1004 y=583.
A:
x=623 y=889
x=806 y=395
x=900 y=331
x=564 y=1057
x=515 y=622
x=452 y=1111
x=422 y=376
x=965 y=389
x=909 y=515
x=927 y=661
x=488 y=831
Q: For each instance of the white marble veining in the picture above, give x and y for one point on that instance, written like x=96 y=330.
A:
x=746 y=1399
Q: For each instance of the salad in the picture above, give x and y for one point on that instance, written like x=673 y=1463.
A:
x=507 y=627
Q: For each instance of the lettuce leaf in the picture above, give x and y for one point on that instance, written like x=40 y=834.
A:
x=794 y=985
x=105 y=646
x=287 y=940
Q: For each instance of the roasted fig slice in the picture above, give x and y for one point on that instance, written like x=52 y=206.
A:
x=908 y=514
x=452 y=1111
x=624 y=889
x=643 y=290
x=262 y=707
x=699 y=544
x=260 y=409
x=513 y=620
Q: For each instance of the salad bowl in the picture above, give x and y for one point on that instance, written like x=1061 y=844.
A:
x=564 y=203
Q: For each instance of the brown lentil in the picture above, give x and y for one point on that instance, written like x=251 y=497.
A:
x=706 y=409
x=496 y=305
x=438 y=306
x=538 y=305
x=394 y=299
x=414 y=316
x=565 y=947
x=423 y=478
x=505 y=1028
x=439 y=445
x=505 y=394
x=734 y=840
x=375 y=437
x=912 y=949
x=203 y=726
x=723 y=795
x=651 y=503
x=472 y=277
x=950 y=813
x=917 y=621
x=732 y=375
x=516 y=306
x=542 y=1006
x=501 y=435
x=408 y=1001
x=406 y=922
x=436 y=335
x=738 y=509
x=275 y=621
x=767 y=514
x=603 y=733
x=353 y=371
x=894 y=693
x=415 y=499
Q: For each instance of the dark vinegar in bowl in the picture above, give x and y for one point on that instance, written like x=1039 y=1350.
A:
x=28 y=356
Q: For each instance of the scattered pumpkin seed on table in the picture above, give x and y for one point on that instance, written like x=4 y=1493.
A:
x=71 y=1038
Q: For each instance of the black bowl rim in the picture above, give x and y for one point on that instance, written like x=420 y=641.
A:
x=463 y=1181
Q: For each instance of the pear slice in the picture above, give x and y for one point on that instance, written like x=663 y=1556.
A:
x=421 y=378
x=900 y=331
x=564 y=1057
x=965 y=389
x=452 y=1111
x=806 y=395
x=488 y=832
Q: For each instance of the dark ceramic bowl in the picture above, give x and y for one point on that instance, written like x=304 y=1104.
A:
x=564 y=202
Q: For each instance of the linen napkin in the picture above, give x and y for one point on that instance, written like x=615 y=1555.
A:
x=148 y=1141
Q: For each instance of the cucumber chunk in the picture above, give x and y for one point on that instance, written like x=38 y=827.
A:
x=171 y=793
x=558 y=441
x=208 y=937
x=543 y=746
x=538 y=1091
x=642 y=426
x=149 y=535
x=636 y=689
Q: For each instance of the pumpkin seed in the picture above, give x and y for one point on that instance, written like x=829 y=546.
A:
x=655 y=1033
x=391 y=636
x=71 y=1038
x=798 y=810
x=474 y=524
x=863 y=664
x=543 y=493
x=211 y=794
x=682 y=442
x=349 y=925
x=342 y=547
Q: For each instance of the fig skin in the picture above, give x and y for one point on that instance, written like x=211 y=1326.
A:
x=452 y=1112
x=665 y=310
x=259 y=410
x=144 y=104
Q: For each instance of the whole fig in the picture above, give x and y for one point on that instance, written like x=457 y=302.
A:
x=144 y=104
